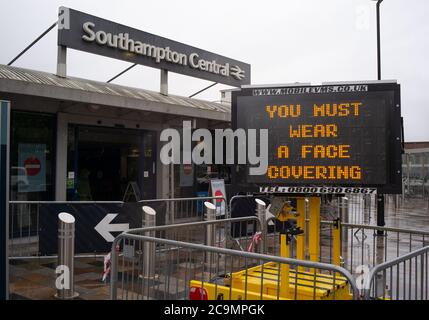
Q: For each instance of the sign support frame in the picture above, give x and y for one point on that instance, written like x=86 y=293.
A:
x=164 y=82
x=62 y=62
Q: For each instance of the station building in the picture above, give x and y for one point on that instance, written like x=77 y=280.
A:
x=81 y=140
x=75 y=139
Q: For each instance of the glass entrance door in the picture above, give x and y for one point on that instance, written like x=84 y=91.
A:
x=103 y=162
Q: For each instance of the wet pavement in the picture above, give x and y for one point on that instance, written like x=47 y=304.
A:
x=413 y=214
x=35 y=279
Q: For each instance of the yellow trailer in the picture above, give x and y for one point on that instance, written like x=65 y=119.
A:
x=273 y=281
x=308 y=285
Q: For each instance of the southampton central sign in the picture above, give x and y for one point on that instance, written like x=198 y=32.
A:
x=80 y=31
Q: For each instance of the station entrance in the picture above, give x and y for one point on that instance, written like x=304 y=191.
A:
x=102 y=162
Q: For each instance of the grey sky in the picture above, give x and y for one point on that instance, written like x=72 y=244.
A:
x=284 y=41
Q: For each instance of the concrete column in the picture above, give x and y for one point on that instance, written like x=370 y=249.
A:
x=62 y=62
x=162 y=181
x=61 y=158
x=162 y=174
x=164 y=82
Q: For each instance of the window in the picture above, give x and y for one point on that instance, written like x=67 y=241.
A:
x=32 y=156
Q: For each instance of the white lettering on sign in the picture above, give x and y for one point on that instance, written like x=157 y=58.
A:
x=317 y=190
x=63 y=280
x=123 y=41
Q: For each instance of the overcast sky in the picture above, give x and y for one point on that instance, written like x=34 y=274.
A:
x=284 y=41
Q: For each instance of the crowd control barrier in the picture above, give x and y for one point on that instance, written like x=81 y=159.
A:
x=403 y=278
x=223 y=270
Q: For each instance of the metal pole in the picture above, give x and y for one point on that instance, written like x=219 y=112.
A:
x=198 y=92
x=380 y=213
x=367 y=207
x=260 y=213
x=121 y=73
x=210 y=229
x=380 y=197
x=149 y=220
x=378 y=41
x=65 y=282
x=343 y=203
x=171 y=205
x=33 y=43
x=343 y=215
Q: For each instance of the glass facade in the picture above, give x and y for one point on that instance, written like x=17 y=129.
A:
x=32 y=156
x=102 y=163
x=415 y=171
x=194 y=180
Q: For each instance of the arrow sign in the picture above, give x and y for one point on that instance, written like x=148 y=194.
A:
x=104 y=227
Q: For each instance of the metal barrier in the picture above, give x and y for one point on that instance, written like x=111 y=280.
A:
x=187 y=209
x=196 y=244
x=352 y=245
x=24 y=219
x=181 y=269
x=362 y=245
x=403 y=278
x=351 y=208
x=233 y=233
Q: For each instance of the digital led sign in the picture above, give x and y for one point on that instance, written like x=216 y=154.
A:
x=329 y=135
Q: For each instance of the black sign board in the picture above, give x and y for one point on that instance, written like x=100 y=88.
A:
x=331 y=135
x=81 y=31
x=96 y=224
